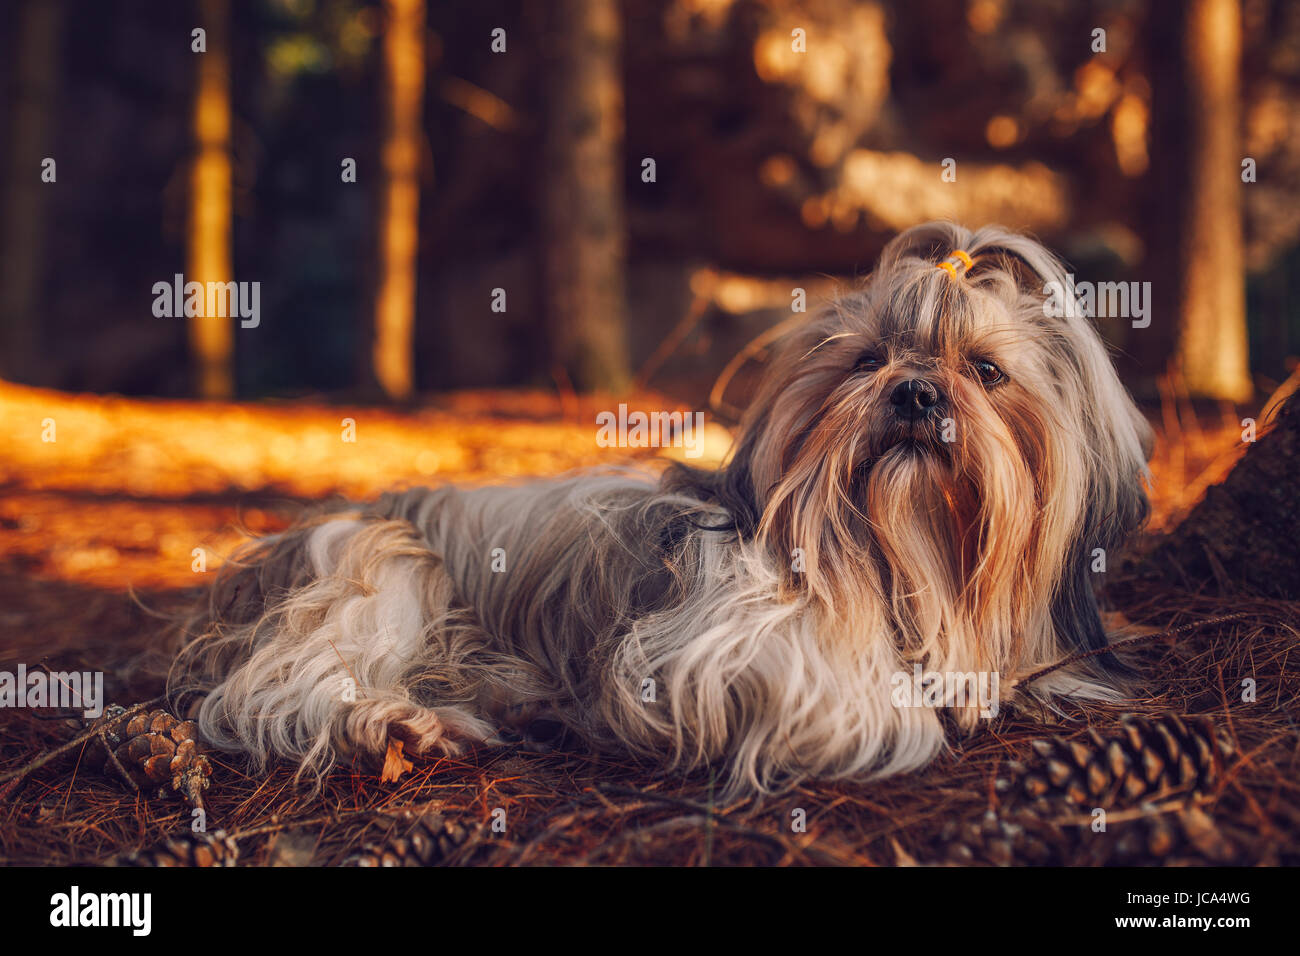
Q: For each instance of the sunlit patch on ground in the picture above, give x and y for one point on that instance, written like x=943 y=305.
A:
x=127 y=490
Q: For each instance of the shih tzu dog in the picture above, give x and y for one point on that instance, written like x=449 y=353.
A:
x=922 y=483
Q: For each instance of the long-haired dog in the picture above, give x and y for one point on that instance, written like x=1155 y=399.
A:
x=924 y=479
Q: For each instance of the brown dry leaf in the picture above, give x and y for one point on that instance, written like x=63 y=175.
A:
x=394 y=763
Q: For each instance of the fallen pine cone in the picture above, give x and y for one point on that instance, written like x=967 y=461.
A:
x=151 y=750
x=1160 y=836
x=1148 y=835
x=1051 y=802
x=1016 y=839
x=193 y=849
x=414 y=840
x=1142 y=758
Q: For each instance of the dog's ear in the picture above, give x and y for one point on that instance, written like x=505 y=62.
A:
x=1116 y=500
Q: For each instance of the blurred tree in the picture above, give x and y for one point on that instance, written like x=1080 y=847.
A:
x=400 y=203
x=35 y=88
x=211 y=338
x=1212 y=344
x=584 y=235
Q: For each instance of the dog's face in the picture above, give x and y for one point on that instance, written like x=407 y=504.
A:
x=938 y=449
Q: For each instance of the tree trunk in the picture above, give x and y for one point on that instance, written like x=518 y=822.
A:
x=583 y=232
x=1148 y=353
x=392 y=354
x=1212 y=345
x=1243 y=537
x=36 y=88
x=211 y=338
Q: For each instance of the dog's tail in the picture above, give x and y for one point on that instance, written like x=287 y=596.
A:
x=333 y=637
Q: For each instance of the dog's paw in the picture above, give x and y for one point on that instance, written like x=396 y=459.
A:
x=425 y=733
x=422 y=730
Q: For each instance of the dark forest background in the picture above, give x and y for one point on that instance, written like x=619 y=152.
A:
x=773 y=169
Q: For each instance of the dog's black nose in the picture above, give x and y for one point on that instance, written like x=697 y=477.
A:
x=914 y=398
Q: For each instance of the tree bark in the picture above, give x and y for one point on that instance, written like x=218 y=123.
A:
x=583 y=230
x=36 y=89
x=394 y=340
x=1212 y=346
x=211 y=338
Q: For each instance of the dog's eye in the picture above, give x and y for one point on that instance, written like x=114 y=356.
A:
x=868 y=362
x=989 y=373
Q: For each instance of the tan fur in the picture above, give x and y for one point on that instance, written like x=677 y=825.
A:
x=965 y=556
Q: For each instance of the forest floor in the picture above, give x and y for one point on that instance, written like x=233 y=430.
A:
x=108 y=530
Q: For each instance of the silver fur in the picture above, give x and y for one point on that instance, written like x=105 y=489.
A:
x=771 y=664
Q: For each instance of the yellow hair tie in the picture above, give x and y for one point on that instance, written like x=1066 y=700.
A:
x=958 y=257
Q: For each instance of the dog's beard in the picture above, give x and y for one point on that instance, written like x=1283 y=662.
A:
x=953 y=525
x=938 y=529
